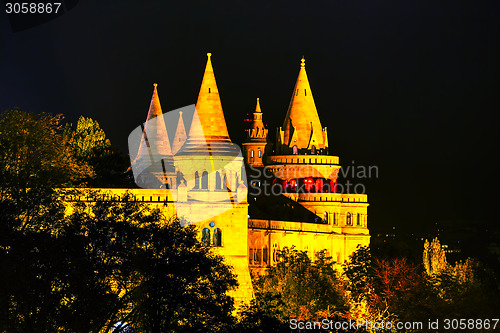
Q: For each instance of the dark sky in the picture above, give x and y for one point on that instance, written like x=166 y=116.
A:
x=408 y=86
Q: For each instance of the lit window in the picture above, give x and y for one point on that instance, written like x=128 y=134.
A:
x=217 y=237
x=217 y=181
x=196 y=180
x=205 y=237
x=348 y=219
x=204 y=180
x=251 y=153
x=260 y=153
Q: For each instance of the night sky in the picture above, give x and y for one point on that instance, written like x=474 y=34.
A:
x=408 y=86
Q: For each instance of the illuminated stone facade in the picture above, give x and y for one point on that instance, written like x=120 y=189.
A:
x=305 y=174
x=301 y=168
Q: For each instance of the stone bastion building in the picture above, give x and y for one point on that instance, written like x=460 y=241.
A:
x=289 y=198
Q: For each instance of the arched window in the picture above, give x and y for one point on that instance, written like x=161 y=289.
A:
x=251 y=153
x=265 y=255
x=250 y=256
x=260 y=153
x=205 y=237
x=204 y=180
x=178 y=178
x=348 y=219
x=313 y=150
x=217 y=237
x=225 y=184
x=217 y=181
x=196 y=180
x=358 y=222
x=325 y=217
x=295 y=150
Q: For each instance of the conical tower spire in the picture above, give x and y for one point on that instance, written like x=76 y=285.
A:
x=180 y=135
x=302 y=127
x=153 y=163
x=212 y=125
x=208 y=132
x=155 y=140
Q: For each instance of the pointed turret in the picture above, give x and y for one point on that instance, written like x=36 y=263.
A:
x=208 y=128
x=255 y=145
x=209 y=108
x=257 y=107
x=257 y=131
x=302 y=127
x=154 y=156
x=180 y=135
x=154 y=140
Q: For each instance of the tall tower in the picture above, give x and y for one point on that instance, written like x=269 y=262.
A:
x=302 y=162
x=214 y=172
x=308 y=175
x=302 y=131
x=255 y=145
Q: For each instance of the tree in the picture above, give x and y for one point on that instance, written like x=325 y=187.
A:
x=467 y=289
x=358 y=272
x=164 y=278
x=88 y=143
x=386 y=289
x=34 y=161
x=83 y=266
x=434 y=257
x=114 y=261
x=298 y=287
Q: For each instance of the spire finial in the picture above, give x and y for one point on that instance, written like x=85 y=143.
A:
x=257 y=108
x=209 y=55
x=155 y=85
x=303 y=62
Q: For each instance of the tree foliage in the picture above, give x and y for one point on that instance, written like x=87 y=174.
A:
x=88 y=143
x=34 y=161
x=298 y=287
x=464 y=287
x=386 y=289
x=84 y=266
x=358 y=271
x=434 y=257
